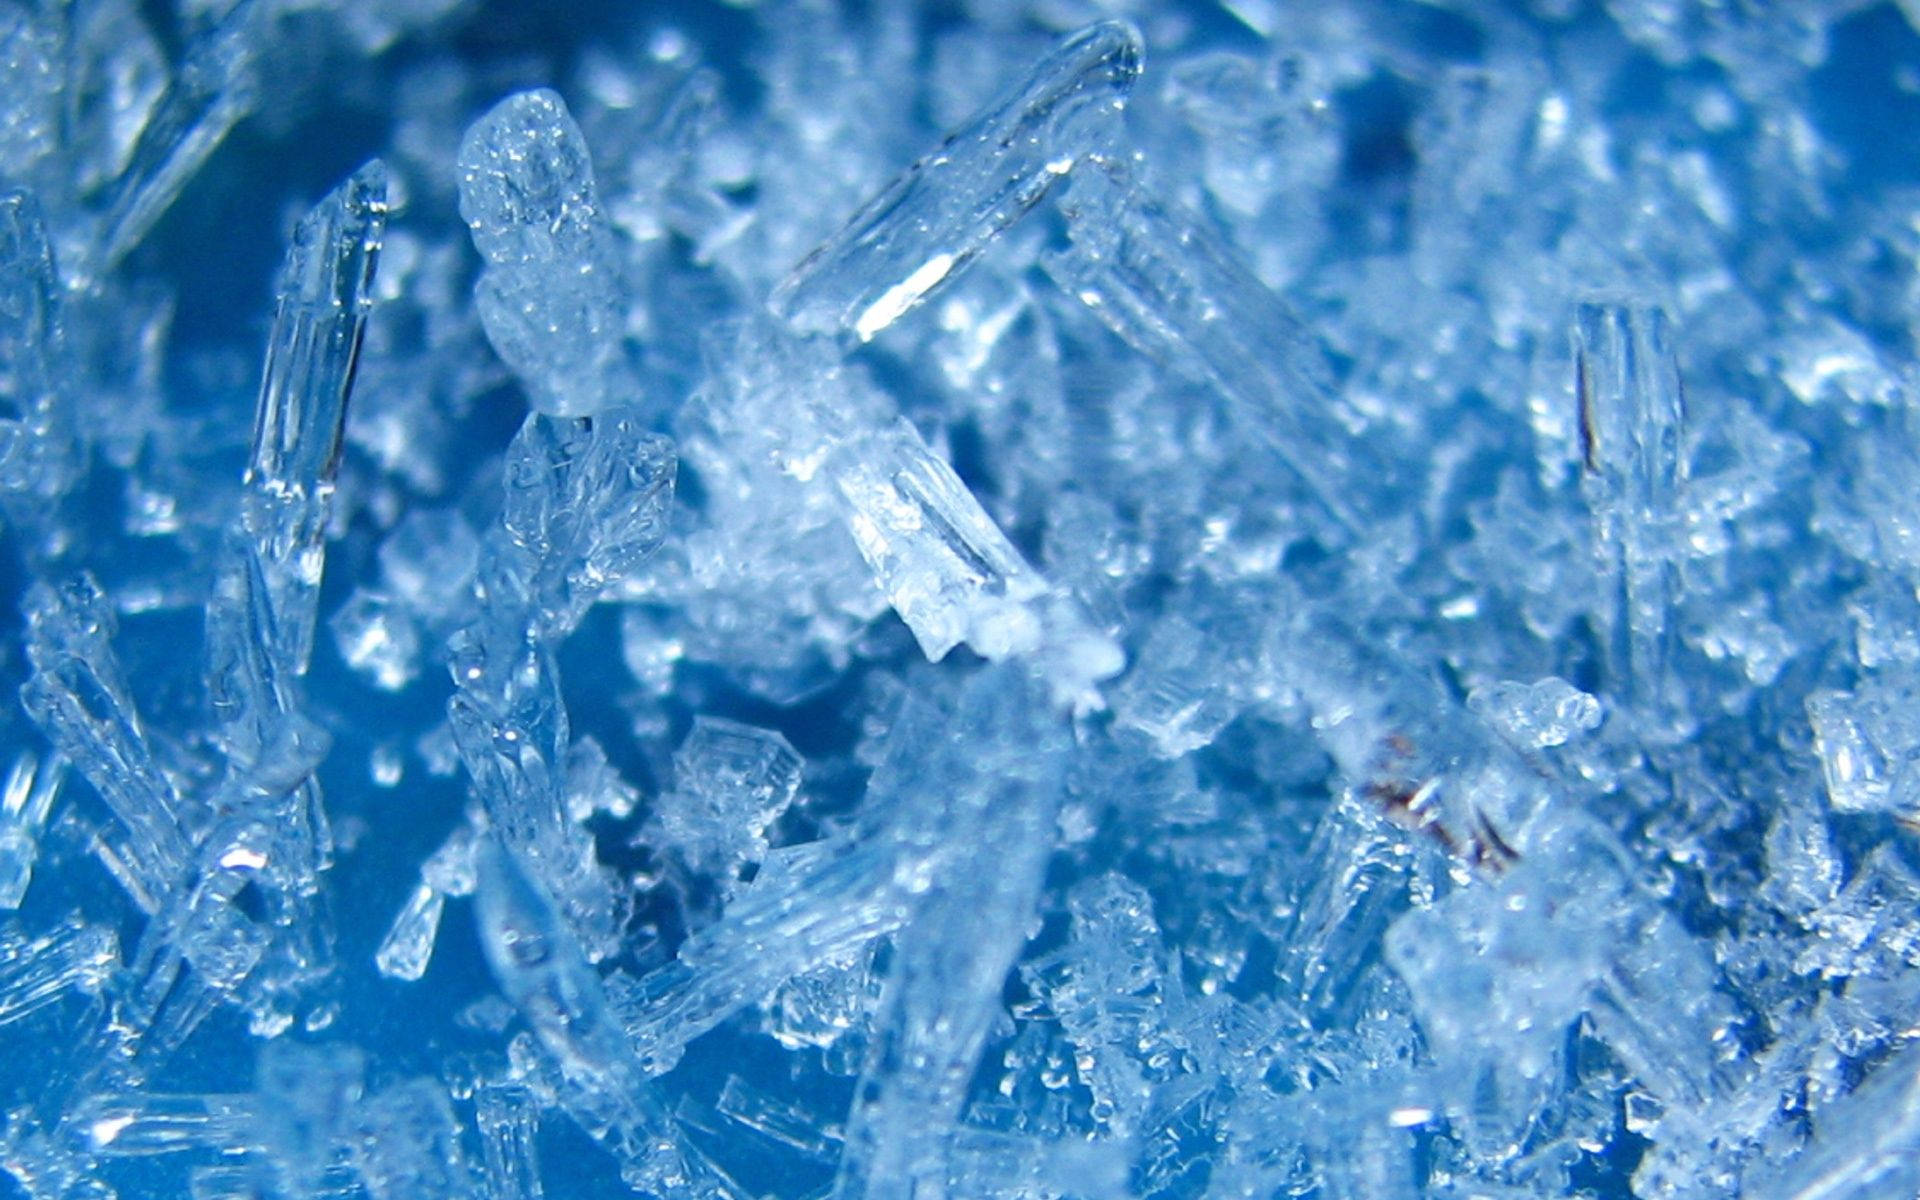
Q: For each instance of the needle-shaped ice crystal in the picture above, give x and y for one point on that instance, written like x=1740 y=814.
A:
x=945 y=209
x=1632 y=418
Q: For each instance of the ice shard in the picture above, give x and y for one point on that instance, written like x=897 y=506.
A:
x=36 y=971
x=539 y=965
x=322 y=298
x=78 y=696
x=946 y=208
x=25 y=804
x=1632 y=419
x=405 y=951
x=38 y=459
x=508 y=1119
x=550 y=296
x=1168 y=288
x=950 y=961
x=210 y=92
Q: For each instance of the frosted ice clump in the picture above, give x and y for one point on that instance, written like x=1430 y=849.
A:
x=1019 y=598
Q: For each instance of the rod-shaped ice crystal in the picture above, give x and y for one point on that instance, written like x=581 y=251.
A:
x=540 y=967
x=1169 y=289
x=324 y=294
x=78 y=696
x=36 y=448
x=950 y=962
x=210 y=93
x=25 y=804
x=1632 y=419
x=508 y=1121
x=943 y=563
x=946 y=208
x=34 y=972
x=549 y=297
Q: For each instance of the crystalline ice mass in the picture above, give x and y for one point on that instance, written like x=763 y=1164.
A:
x=1116 y=600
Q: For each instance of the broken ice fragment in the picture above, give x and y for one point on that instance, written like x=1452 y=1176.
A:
x=1869 y=744
x=944 y=565
x=945 y=209
x=1536 y=715
x=587 y=500
x=404 y=952
x=407 y=1145
x=549 y=297
x=304 y=1117
x=731 y=781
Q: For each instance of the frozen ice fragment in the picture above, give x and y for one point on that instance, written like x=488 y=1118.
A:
x=1536 y=715
x=1869 y=744
x=404 y=952
x=549 y=296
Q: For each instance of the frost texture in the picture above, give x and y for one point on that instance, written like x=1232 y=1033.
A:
x=1019 y=598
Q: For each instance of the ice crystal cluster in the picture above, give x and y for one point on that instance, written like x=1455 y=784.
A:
x=1079 y=599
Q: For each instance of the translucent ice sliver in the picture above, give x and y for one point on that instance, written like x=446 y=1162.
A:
x=1632 y=418
x=945 y=209
x=1153 y=275
x=549 y=296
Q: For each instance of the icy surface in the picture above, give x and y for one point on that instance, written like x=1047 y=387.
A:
x=1047 y=599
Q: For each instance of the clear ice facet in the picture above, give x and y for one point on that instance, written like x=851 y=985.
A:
x=938 y=216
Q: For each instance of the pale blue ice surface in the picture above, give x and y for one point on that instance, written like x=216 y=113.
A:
x=1082 y=599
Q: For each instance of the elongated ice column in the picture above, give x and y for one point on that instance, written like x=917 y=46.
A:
x=539 y=966
x=950 y=962
x=944 y=565
x=322 y=298
x=273 y=831
x=938 y=216
x=942 y=562
x=78 y=697
x=1173 y=293
x=208 y=95
x=37 y=454
x=143 y=1124
x=1632 y=417
x=508 y=1121
x=34 y=972
x=24 y=805
x=549 y=297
